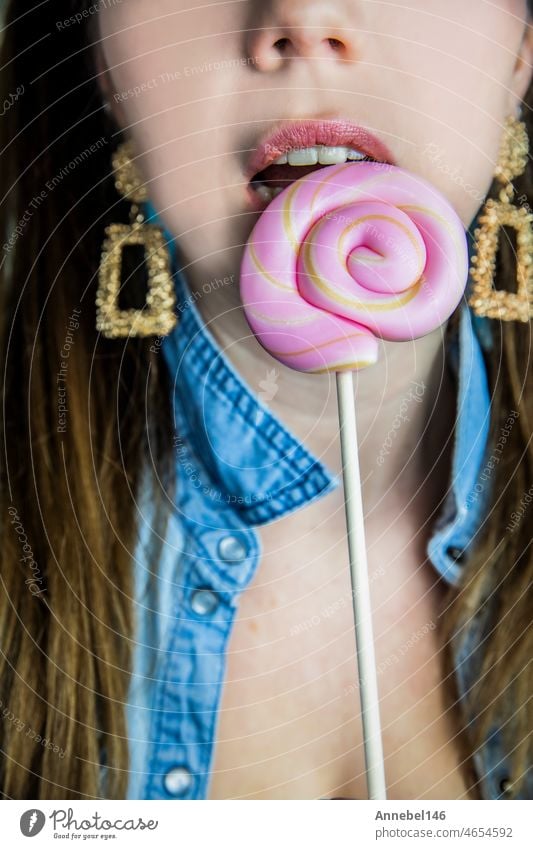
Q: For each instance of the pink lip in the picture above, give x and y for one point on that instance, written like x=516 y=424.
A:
x=293 y=135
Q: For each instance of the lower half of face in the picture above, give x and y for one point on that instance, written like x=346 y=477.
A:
x=203 y=91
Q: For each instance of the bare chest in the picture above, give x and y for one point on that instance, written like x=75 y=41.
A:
x=289 y=725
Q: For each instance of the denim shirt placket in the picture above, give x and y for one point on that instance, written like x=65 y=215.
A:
x=192 y=669
x=221 y=552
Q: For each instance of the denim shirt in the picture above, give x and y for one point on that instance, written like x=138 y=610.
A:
x=239 y=467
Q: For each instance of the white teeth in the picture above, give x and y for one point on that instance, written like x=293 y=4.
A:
x=303 y=156
x=355 y=154
x=332 y=155
x=264 y=192
x=321 y=153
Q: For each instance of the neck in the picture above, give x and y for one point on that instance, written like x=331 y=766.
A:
x=405 y=407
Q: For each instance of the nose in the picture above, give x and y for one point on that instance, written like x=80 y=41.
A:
x=284 y=30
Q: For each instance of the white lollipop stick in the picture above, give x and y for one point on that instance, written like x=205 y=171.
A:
x=364 y=639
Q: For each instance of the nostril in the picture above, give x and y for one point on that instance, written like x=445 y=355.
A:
x=336 y=44
x=281 y=44
x=301 y=42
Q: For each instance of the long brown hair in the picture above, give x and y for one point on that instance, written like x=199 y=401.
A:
x=71 y=462
x=78 y=426
x=498 y=570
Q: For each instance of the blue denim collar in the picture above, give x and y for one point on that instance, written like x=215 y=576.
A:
x=252 y=460
x=224 y=422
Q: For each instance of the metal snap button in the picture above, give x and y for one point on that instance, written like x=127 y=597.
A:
x=506 y=786
x=232 y=549
x=456 y=553
x=204 y=601
x=177 y=781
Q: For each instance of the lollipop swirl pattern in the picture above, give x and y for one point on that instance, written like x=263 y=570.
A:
x=349 y=254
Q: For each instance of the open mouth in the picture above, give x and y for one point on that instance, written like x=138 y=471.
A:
x=295 y=148
x=290 y=166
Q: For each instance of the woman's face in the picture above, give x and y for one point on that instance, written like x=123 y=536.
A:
x=198 y=85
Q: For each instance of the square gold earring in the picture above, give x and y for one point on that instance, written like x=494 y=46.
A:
x=157 y=317
x=485 y=299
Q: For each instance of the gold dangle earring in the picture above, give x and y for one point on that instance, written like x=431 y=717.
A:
x=157 y=317
x=485 y=299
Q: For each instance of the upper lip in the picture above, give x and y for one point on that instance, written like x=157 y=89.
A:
x=291 y=135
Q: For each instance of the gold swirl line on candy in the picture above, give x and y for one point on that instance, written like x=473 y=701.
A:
x=287 y=223
x=327 y=179
x=287 y=208
x=262 y=270
x=446 y=224
x=317 y=347
x=308 y=319
x=409 y=235
x=353 y=302
x=354 y=191
x=370 y=260
x=343 y=366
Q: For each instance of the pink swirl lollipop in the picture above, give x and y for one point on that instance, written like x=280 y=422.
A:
x=346 y=254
